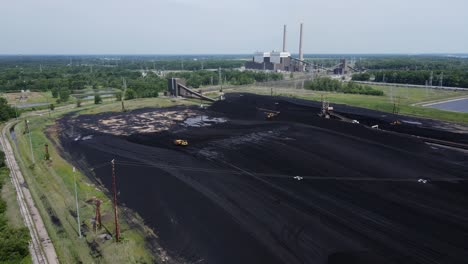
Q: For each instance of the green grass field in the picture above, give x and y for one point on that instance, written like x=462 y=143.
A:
x=406 y=97
x=45 y=98
x=52 y=187
x=13 y=215
x=31 y=97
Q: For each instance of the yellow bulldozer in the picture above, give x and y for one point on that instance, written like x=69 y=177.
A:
x=271 y=115
x=180 y=142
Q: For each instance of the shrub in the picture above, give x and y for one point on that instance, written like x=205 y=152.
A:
x=97 y=99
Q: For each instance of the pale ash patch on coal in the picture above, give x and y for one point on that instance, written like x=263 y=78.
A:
x=79 y=137
x=203 y=121
x=148 y=122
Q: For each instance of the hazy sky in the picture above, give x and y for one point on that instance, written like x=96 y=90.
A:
x=236 y=26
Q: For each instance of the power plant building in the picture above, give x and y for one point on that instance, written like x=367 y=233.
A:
x=259 y=57
x=272 y=61
x=277 y=60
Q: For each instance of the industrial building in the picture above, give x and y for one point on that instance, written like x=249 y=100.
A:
x=279 y=60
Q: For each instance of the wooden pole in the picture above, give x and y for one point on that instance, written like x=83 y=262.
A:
x=114 y=187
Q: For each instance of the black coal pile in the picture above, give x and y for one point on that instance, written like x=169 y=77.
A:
x=244 y=105
x=296 y=189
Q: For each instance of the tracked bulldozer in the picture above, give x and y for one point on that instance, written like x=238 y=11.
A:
x=180 y=142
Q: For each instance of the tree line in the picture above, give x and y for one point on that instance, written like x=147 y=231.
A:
x=197 y=79
x=446 y=78
x=331 y=85
x=414 y=63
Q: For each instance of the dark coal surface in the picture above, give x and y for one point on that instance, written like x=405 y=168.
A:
x=261 y=214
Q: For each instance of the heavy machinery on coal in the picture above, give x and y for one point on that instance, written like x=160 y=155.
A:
x=396 y=112
x=328 y=113
x=327 y=110
x=269 y=114
x=181 y=142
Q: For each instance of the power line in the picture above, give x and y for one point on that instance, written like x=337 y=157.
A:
x=272 y=175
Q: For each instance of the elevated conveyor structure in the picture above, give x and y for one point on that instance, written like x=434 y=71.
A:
x=177 y=87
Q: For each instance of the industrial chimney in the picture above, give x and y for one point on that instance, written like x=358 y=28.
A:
x=301 y=54
x=284 y=38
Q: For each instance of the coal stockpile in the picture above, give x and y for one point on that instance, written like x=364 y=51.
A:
x=294 y=189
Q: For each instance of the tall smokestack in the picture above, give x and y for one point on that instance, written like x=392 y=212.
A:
x=284 y=38
x=301 y=54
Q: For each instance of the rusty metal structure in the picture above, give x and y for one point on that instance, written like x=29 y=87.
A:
x=116 y=219
x=97 y=217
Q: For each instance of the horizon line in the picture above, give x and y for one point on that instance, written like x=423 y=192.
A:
x=225 y=54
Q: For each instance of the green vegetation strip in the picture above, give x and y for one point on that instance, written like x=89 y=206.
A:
x=14 y=240
x=331 y=85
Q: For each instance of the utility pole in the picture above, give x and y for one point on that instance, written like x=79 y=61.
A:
x=430 y=78
x=30 y=141
x=76 y=201
x=219 y=76
x=123 y=94
x=441 y=79
x=116 y=220
x=48 y=105
x=220 y=82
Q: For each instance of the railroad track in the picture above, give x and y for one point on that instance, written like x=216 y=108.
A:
x=41 y=248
